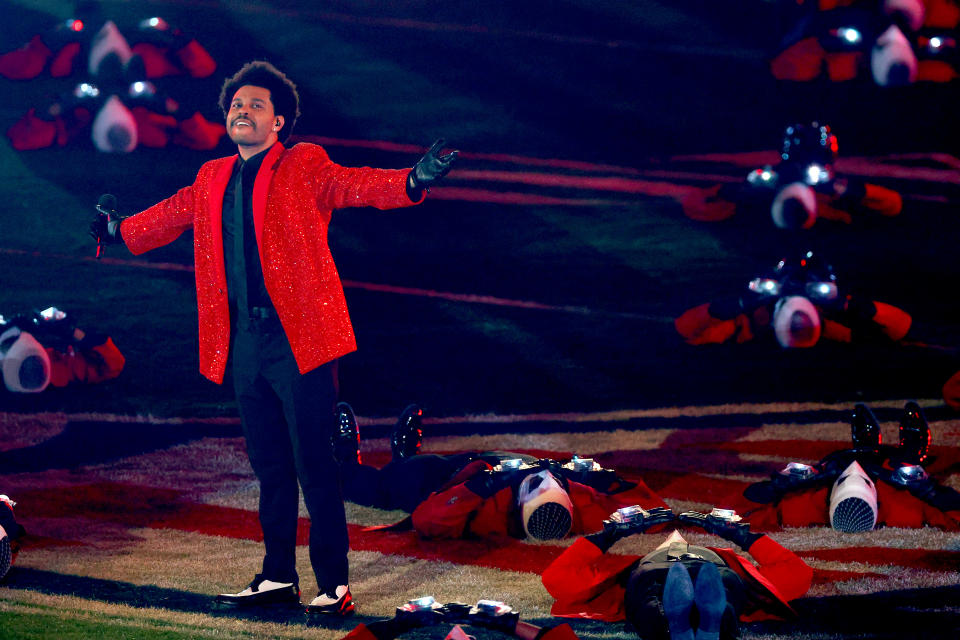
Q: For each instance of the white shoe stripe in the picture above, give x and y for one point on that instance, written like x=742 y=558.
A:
x=263 y=587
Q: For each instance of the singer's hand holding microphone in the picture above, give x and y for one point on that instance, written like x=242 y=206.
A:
x=105 y=227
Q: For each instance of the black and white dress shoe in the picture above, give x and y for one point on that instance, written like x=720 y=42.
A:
x=262 y=591
x=337 y=602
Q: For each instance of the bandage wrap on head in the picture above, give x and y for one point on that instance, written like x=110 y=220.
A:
x=892 y=60
x=546 y=508
x=108 y=40
x=794 y=207
x=853 y=501
x=911 y=12
x=796 y=322
x=23 y=361
x=114 y=129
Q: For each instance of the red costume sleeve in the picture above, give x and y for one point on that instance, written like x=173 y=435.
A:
x=360 y=632
x=780 y=577
x=797 y=509
x=445 y=514
x=560 y=632
x=801 y=62
x=492 y=516
x=104 y=362
x=884 y=201
x=591 y=507
x=697 y=327
x=899 y=508
x=585 y=582
x=782 y=567
x=340 y=187
x=161 y=224
x=893 y=321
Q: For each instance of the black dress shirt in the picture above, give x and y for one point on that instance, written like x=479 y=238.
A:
x=243 y=269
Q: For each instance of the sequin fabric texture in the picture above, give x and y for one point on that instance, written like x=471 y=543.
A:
x=294 y=196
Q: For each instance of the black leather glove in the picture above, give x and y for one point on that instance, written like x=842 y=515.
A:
x=409 y=616
x=429 y=169
x=488 y=483
x=619 y=526
x=456 y=612
x=105 y=227
x=494 y=615
x=734 y=531
x=55 y=329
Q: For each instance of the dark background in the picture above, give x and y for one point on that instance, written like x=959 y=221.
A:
x=631 y=85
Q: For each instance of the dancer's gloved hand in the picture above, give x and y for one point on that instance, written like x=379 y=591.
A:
x=419 y=613
x=729 y=529
x=488 y=483
x=105 y=227
x=456 y=612
x=494 y=615
x=429 y=169
x=626 y=522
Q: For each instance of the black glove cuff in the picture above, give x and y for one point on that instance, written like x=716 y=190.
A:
x=414 y=190
x=602 y=540
x=746 y=540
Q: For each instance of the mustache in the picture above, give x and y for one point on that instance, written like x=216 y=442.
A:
x=242 y=119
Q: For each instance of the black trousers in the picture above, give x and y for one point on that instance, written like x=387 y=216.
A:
x=643 y=600
x=405 y=483
x=401 y=484
x=288 y=420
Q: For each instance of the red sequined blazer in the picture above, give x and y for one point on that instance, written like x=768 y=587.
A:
x=294 y=194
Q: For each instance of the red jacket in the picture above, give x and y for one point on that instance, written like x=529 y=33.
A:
x=587 y=583
x=698 y=326
x=896 y=507
x=559 y=632
x=457 y=511
x=294 y=195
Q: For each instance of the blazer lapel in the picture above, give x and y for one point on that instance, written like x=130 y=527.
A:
x=218 y=186
x=260 y=188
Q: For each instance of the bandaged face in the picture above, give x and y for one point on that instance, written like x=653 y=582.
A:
x=546 y=508
x=892 y=60
x=23 y=361
x=796 y=322
x=853 y=501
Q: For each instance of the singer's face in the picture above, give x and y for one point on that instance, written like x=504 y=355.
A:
x=251 y=121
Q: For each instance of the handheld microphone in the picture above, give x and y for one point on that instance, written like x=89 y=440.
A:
x=107 y=205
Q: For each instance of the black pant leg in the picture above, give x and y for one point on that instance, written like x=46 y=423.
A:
x=409 y=481
x=365 y=485
x=271 y=456
x=401 y=484
x=309 y=405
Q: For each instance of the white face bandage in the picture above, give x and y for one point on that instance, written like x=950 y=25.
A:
x=892 y=60
x=794 y=207
x=547 y=511
x=853 y=501
x=114 y=128
x=24 y=362
x=796 y=322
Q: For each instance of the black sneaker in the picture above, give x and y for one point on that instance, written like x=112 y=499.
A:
x=407 y=436
x=865 y=429
x=337 y=602
x=346 y=441
x=914 y=434
x=262 y=591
